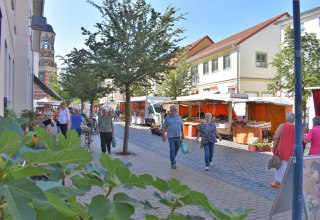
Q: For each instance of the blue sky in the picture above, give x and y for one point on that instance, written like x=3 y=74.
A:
x=218 y=19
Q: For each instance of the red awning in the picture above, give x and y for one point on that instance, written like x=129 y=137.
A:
x=316 y=101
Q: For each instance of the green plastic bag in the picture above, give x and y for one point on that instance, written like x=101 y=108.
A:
x=184 y=147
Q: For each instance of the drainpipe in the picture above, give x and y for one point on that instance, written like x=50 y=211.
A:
x=238 y=71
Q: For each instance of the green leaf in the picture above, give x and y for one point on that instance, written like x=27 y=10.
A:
x=161 y=185
x=122 y=207
x=147 y=178
x=10 y=142
x=85 y=183
x=18 y=194
x=9 y=125
x=56 y=201
x=151 y=217
x=110 y=164
x=177 y=188
x=69 y=155
x=29 y=171
x=101 y=208
x=127 y=178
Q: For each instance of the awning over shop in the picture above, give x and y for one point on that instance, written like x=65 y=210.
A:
x=46 y=88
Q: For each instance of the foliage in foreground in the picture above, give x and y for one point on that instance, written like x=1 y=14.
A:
x=23 y=198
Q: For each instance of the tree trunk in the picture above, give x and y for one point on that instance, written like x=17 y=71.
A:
x=304 y=113
x=127 y=121
x=91 y=109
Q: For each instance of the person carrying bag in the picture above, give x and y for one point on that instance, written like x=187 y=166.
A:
x=283 y=145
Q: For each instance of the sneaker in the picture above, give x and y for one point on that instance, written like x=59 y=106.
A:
x=173 y=166
x=109 y=152
x=275 y=184
x=207 y=168
x=211 y=163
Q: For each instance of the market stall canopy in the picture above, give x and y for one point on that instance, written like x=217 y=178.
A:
x=48 y=101
x=272 y=100
x=235 y=98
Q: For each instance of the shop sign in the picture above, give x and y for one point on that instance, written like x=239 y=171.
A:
x=231 y=90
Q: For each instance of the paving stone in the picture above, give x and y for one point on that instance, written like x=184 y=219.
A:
x=239 y=178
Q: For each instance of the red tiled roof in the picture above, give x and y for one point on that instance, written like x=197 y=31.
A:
x=198 y=41
x=235 y=39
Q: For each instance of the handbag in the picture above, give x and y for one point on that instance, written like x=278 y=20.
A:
x=184 y=147
x=275 y=161
x=113 y=142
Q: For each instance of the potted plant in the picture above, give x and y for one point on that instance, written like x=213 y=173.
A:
x=264 y=147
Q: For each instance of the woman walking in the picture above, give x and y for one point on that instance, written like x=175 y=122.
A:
x=209 y=135
x=105 y=127
x=76 y=121
x=283 y=144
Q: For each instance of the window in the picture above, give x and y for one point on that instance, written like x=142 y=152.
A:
x=226 y=62
x=205 y=68
x=215 y=67
x=195 y=75
x=261 y=59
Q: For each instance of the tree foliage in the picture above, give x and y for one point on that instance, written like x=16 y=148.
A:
x=55 y=85
x=80 y=78
x=178 y=81
x=284 y=62
x=133 y=44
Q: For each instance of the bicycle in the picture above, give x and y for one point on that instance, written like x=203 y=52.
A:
x=87 y=137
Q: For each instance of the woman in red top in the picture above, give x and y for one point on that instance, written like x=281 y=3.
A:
x=313 y=137
x=283 y=140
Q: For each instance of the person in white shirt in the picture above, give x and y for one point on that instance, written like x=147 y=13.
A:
x=64 y=119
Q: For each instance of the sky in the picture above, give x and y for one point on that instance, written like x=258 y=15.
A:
x=218 y=19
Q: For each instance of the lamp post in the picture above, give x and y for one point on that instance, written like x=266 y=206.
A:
x=298 y=152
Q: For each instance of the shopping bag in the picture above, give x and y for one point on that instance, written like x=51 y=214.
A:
x=184 y=147
x=114 y=144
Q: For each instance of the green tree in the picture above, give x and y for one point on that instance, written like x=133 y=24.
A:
x=284 y=62
x=55 y=85
x=81 y=80
x=132 y=45
x=178 y=82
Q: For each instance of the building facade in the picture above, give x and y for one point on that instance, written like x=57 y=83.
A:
x=239 y=63
x=16 y=55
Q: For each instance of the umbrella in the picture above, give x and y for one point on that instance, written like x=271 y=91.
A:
x=46 y=100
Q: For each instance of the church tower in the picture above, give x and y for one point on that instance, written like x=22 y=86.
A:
x=47 y=65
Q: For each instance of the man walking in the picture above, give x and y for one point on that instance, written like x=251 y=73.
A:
x=64 y=119
x=173 y=125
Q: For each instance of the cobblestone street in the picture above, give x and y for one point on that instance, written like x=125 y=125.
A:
x=239 y=178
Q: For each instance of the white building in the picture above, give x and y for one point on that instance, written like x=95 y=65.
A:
x=19 y=54
x=239 y=63
x=310 y=23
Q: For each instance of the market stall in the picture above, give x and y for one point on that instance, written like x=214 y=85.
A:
x=193 y=108
x=263 y=116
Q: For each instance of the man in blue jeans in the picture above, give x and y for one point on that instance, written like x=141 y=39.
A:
x=173 y=125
